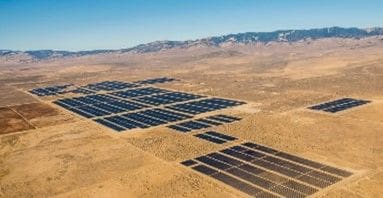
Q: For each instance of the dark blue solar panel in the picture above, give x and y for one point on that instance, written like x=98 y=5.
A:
x=126 y=105
x=167 y=98
x=125 y=122
x=109 y=125
x=58 y=102
x=143 y=119
x=232 y=118
x=193 y=125
x=211 y=122
x=93 y=111
x=155 y=80
x=110 y=86
x=179 y=128
x=81 y=113
x=160 y=116
x=220 y=119
x=71 y=102
x=172 y=113
x=86 y=100
x=108 y=108
x=210 y=138
x=221 y=136
x=138 y=92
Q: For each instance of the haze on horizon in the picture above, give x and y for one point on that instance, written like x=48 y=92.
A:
x=96 y=24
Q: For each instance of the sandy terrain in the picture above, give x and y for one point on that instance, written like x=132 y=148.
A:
x=65 y=155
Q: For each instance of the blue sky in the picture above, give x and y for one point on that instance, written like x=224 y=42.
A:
x=113 y=24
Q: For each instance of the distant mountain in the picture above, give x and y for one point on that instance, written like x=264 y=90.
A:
x=217 y=41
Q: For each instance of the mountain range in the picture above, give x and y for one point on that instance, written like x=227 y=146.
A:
x=216 y=41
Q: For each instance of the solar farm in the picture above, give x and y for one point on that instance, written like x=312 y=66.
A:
x=254 y=169
x=124 y=106
x=217 y=125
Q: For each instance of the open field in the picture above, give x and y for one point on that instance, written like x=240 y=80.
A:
x=46 y=150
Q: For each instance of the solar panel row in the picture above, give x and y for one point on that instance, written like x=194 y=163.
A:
x=167 y=98
x=98 y=105
x=204 y=105
x=264 y=168
x=138 y=92
x=215 y=137
x=82 y=91
x=110 y=86
x=155 y=80
x=339 y=105
x=297 y=159
x=145 y=118
x=202 y=123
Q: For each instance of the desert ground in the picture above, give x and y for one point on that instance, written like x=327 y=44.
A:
x=46 y=151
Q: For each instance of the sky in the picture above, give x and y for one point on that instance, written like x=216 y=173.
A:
x=114 y=24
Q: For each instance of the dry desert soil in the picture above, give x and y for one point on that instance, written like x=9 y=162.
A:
x=47 y=151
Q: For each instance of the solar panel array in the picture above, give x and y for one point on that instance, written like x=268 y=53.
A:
x=50 y=91
x=262 y=171
x=202 y=123
x=123 y=105
x=91 y=106
x=339 y=105
x=86 y=89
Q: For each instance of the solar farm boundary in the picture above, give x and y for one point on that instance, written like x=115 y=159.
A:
x=83 y=86
x=241 y=142
x=320 y=190
x=308 y=109
x=202 y=115
x=198 y=116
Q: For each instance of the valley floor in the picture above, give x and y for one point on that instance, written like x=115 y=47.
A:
x=52 y=152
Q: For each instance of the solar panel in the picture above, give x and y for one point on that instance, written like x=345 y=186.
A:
x=81 y=113
x=215 y=137
x=109 y=125
x=189 y=163
x=167 y=98
x=93 y=111
x=179 y=128
x=109 y=108
x=131 y=93
x=82 y=91
x=238 y=184
x=221 y=136
x=210 y=138
x=110 y=86
x=193 y=125
x=155 y=80
x=211 y=122
x=144 y=119
x=220 y=119
x=127 y=123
